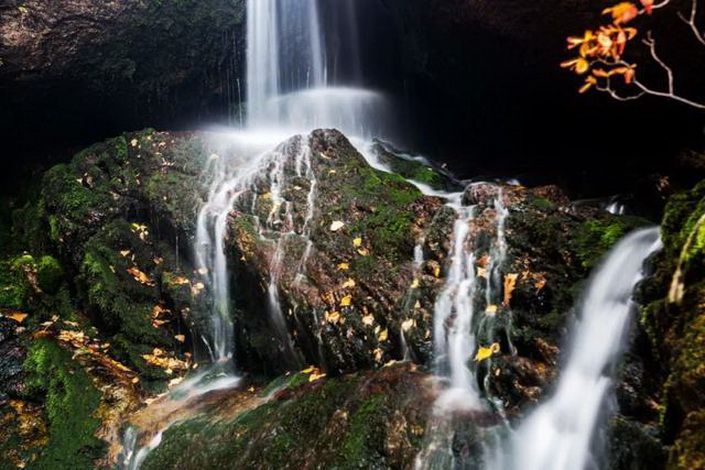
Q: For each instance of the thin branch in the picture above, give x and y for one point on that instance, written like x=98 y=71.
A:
x=669 y=95
x=691 y=22
x=649 y=41
x=670 y=92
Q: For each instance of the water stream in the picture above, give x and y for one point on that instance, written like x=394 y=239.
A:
x=559 y=433
x=289 y=92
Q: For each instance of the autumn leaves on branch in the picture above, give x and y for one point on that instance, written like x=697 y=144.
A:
x=601 y=53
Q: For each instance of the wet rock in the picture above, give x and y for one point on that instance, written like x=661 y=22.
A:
x=343 y=268
x=367 y=420
x=12 y=355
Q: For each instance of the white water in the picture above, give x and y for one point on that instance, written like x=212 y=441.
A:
x=558 y=434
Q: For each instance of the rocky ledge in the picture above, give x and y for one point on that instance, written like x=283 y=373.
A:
x=336 y=268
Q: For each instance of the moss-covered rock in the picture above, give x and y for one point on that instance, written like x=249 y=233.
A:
x=673 y=324
x=339 y=244
x=70 y=403
x=366 y=420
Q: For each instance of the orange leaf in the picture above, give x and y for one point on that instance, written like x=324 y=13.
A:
x=16 y=316
x=622 y=12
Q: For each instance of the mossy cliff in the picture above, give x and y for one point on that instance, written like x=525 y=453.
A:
x=672 y=347
x=92 y=264
x=97 y=288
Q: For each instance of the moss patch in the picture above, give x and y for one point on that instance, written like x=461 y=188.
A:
x=71 y=400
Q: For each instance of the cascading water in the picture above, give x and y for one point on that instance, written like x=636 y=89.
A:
x=558 y=434
x=462 y=319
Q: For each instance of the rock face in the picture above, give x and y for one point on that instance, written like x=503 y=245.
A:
x=334 y=264
x=672 y=327
x=93 y=68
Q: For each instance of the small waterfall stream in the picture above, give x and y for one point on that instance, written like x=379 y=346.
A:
x=558 y=434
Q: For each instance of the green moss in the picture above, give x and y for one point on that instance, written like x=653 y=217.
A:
x=13 y=286
x=366 y=425
x=71 y=401
x=541 y=203
x=290 y=382
x=595 y=237
x=50 y=274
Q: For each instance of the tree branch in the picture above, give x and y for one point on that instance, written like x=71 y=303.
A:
x=670 y=91
x=691 y=22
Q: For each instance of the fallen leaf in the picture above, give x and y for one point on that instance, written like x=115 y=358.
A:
x=485 y=353
x=368 y=320
x=343 y=267
x=140 y=277
x=383 y=335
x=125 y=253
x=180 y=338
x=349 y=284
x=346 y=301
x=482 y=272
x=491 y=310
x=357 y=242
x=407 y=324
x=315 y=376
x=510 y=283
x=197 y=288
x=363 y=251
x=332 y=317
x=16 y=316
x=336 y=225
x=415 y=284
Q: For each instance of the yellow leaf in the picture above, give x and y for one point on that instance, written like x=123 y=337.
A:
x=407 y=324
x=134 y=142
x=357 y=242
x=363 y=252
x=383 y=335
x=315 y=376
x=368 y=320
x=346 y=301
x=482 y=272
x=485 y=353
x=180 y=281
x=197 y=288
x=332 y=317
x=349 y=284
x=309 y=370
x=336 y=225
x=510 y=283
x=140 y=277
x=343 y=267
x=437 y=271
x=415 y=284
x=125 y=253
x=180 y=338
x=491 y=309
x=17 y=316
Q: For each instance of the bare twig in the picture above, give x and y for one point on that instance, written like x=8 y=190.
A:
x=670 y=91
x=691 y=22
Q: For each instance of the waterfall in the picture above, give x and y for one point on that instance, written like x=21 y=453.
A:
x=288 y=87
x=558 y=434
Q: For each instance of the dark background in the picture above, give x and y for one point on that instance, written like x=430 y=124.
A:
x=477 y=85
